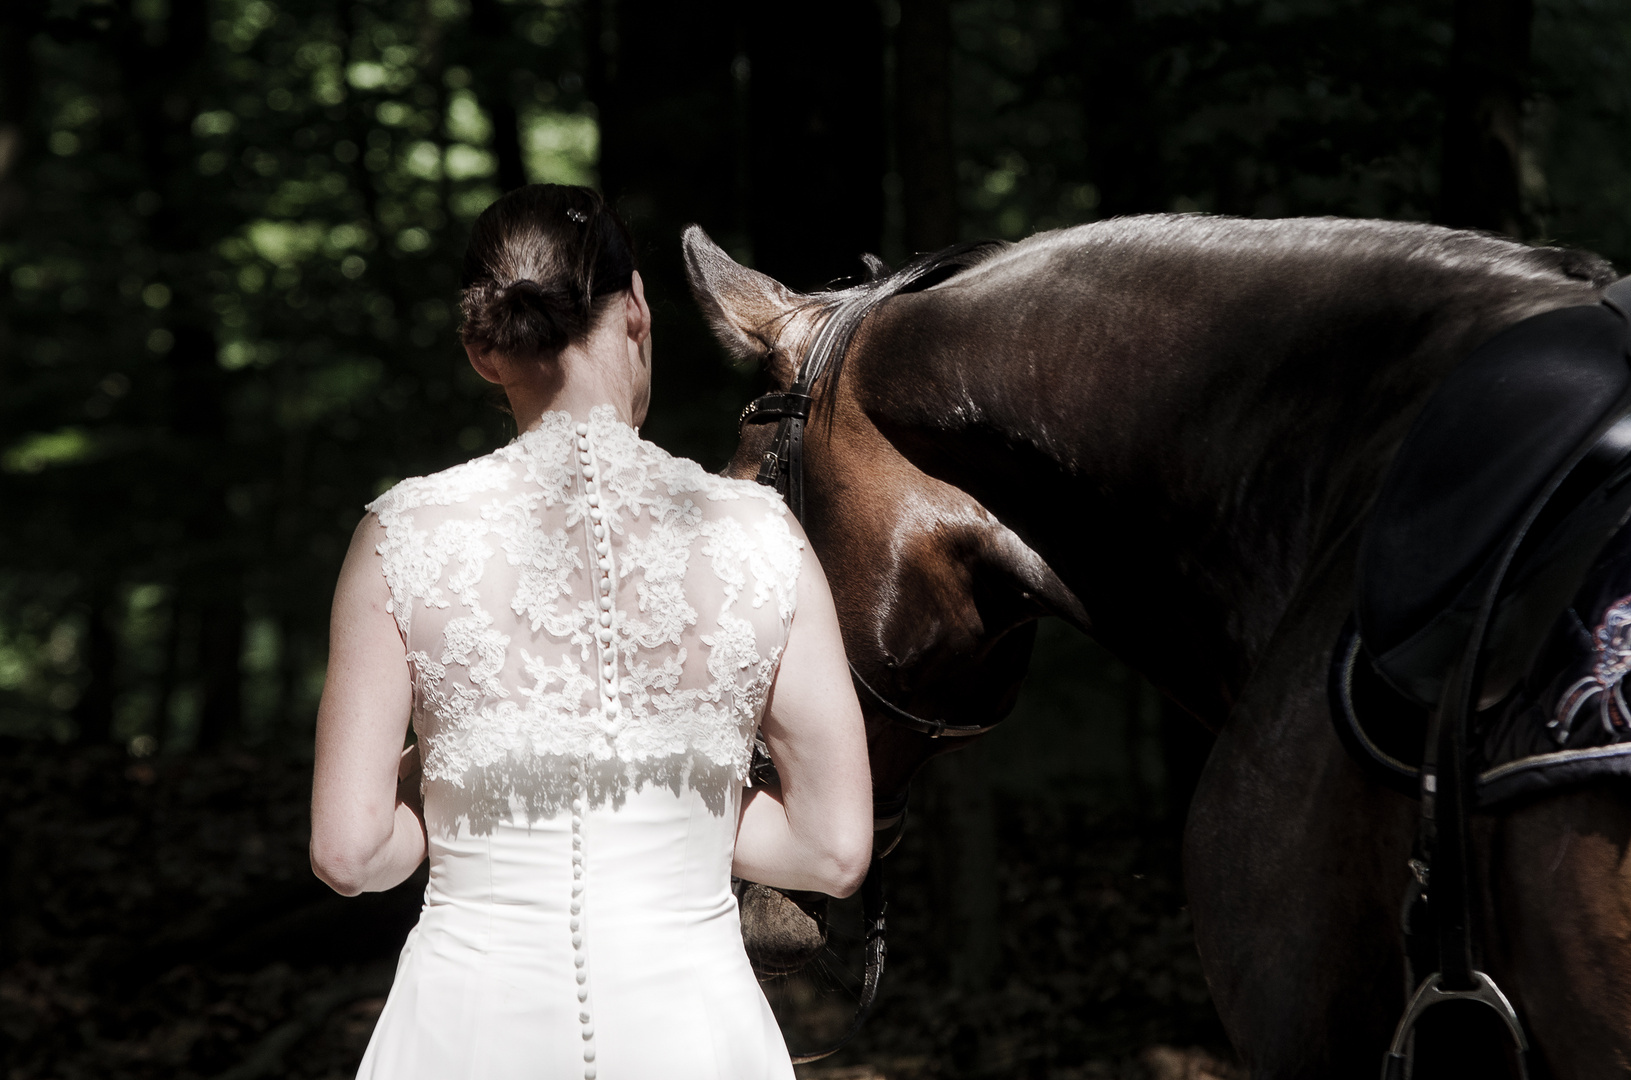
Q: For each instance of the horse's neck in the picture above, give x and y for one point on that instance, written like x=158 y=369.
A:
x=1180 y=465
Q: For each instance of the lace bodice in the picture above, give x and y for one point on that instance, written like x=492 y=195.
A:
x=582 y=600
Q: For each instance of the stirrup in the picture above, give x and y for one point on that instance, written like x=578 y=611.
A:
x=1431 y=992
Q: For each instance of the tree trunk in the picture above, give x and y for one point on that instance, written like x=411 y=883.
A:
x=220 y=655
x=162 y=82
x=161 y=723
x=665 y=95
x=1482 y=184
x=815 y=137
x=16 y=101
x=493 y=31
x=1112 y=50
x=924 y=148
x=963 y=865
x=93 y=713
x=661 y=77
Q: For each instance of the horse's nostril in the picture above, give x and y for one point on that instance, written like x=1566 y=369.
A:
x=781 y=934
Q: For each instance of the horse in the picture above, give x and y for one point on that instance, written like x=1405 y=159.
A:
x=1167 y=430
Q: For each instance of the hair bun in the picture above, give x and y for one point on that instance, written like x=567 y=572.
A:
x=522 y=317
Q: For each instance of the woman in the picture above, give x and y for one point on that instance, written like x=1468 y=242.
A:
x=587 y=635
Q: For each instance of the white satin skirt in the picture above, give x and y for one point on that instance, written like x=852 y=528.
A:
x=488 y=984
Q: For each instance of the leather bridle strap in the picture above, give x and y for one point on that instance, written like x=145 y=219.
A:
x=782 y=467
x=934 y=729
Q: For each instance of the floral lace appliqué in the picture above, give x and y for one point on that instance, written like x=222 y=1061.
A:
x=493 y=572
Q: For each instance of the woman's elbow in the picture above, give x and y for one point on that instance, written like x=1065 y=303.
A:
x=339 y=867
x=848 y=863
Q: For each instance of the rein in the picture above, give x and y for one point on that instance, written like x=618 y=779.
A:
x=782 y=467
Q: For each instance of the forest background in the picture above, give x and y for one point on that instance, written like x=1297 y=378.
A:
x=229 y=240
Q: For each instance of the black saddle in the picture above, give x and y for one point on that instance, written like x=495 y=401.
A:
x=1530 y=434
x=1511 y=483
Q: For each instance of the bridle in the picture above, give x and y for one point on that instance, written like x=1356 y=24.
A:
x=782 y=467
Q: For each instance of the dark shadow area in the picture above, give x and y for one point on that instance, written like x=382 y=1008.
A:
x=161 y=920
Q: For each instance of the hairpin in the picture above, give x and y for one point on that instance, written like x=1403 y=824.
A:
x=577 y=215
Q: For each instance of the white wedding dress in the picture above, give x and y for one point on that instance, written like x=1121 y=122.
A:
x=593 y=627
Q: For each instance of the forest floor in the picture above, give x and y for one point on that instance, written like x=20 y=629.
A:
x=159 y=920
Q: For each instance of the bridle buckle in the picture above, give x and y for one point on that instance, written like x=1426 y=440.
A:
x=770 y=468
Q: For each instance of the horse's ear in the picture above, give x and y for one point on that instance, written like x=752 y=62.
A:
x=747 y=310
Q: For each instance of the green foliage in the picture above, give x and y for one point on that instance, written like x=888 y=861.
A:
x=1080 y=111
x=1068 y=112
x=1577 y=171
x=229 y=277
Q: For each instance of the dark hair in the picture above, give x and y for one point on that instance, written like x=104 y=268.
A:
x=543 y=263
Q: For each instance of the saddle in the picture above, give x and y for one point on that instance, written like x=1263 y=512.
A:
x=1531 y=433
x=1492 y=520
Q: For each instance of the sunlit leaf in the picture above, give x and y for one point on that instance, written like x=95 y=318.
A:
x=47 y=449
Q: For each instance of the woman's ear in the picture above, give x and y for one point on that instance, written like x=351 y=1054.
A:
x=637 y=311
x=482 y=361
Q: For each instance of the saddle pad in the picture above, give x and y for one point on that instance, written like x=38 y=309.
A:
x=1567 y=721
x=1496 y=430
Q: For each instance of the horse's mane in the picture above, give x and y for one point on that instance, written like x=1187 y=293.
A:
x=1259 y=240
x=1243 y=242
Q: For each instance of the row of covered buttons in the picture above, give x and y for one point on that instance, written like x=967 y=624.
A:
x=580 y=959
x=608 y=691
x=601 y=533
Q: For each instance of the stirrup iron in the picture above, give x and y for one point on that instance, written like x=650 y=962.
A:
x=1431 y=992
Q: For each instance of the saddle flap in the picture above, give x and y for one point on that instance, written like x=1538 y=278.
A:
x=1484 y=448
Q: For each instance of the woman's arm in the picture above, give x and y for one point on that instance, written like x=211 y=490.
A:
x=366 y=836
x=815 y=831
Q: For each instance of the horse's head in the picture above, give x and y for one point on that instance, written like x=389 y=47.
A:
x=1192 y=458
x=937 y=598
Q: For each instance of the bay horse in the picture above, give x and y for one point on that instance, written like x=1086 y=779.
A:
x=1167 y=430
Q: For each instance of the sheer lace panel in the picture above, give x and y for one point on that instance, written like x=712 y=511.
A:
x=495 y=573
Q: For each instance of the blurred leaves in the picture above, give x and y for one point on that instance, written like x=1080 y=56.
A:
x=229 y=254
x=1072 y=110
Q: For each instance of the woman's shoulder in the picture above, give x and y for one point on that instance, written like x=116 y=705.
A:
x=490 y=472
x=683 y=476
x=722 y=497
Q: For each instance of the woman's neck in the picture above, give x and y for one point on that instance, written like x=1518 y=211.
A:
x=529 y=406
x=601 y=370
x=610 y=366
